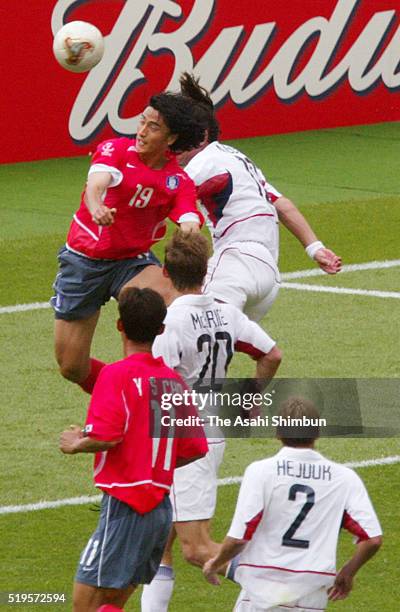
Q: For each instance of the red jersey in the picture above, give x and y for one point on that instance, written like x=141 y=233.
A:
x=143 y=197
x=126 y=405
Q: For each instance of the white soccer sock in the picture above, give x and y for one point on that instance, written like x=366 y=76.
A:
x=156 y=595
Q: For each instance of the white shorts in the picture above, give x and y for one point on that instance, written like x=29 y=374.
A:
x=194 y=492
x=246 y=275
x=314 y=602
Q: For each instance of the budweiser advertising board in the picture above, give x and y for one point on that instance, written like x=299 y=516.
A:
x=272 y=67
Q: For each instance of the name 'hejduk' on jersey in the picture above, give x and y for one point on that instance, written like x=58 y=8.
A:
x=314 y=471
x=366 y=62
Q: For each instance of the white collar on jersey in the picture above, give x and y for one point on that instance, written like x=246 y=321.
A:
x=303 y=454
x=194 y=299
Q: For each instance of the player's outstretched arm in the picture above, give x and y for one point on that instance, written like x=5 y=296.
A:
x=97 y=184
x=266 y=368
x=254 y=341
x=229 y=549
x=298 y=225
x=268 y=364
x=344 y=579
x=74 y=441
x=327 y=260
x=189 y=226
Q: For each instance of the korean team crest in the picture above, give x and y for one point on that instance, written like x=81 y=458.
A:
x=172 y=181
x=107 y=149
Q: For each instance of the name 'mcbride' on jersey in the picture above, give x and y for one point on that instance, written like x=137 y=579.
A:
x=200 y=338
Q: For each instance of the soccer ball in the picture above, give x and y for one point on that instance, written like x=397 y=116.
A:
x=78 y=46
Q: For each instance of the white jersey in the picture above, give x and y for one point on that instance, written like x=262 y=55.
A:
x=199 y=340
x=202 y=334
x=291 y=508
x=235 y=197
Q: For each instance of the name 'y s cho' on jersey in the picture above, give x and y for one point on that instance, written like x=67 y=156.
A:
x=143 y=198
x=127 y=406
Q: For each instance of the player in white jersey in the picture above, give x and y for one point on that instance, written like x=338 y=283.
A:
x=285 y=529
x=199 y=340
x=243 y=211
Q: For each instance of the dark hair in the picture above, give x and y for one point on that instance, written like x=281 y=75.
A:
x=179 y=115
x=298 y=434
x=204 y=105
x=186 y=257
x=142 y=312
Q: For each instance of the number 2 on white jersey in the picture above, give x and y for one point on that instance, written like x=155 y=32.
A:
x=288 y=539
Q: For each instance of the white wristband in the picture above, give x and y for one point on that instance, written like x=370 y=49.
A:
x=312 y=248
x=189 y=217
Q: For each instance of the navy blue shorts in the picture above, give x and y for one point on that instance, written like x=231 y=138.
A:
x=127 y=547
x=83 y=285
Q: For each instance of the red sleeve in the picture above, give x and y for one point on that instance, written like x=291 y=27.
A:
x=354 y=528
x=107 y=413
x=213 y=186
x=359 y=517
x=109 y=152
x=185 y=199
x=250 y=337
x=192 y=447
x=214 y=193
x=191 y=439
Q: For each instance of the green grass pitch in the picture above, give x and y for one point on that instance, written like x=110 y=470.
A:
x=346 y=182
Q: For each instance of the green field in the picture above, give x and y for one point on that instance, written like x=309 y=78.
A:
x=346 y=182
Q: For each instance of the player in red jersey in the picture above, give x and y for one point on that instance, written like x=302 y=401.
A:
x=133 y=186
x=136 y=455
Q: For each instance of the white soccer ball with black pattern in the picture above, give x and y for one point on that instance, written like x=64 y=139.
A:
x=78 y=46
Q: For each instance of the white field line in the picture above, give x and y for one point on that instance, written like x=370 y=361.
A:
x=371 y=265
x=46 y=505
x=24 y=307
x=87 y=499
x=351 y=464
x=341 y=290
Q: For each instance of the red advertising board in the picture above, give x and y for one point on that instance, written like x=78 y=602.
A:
x=272 y=67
